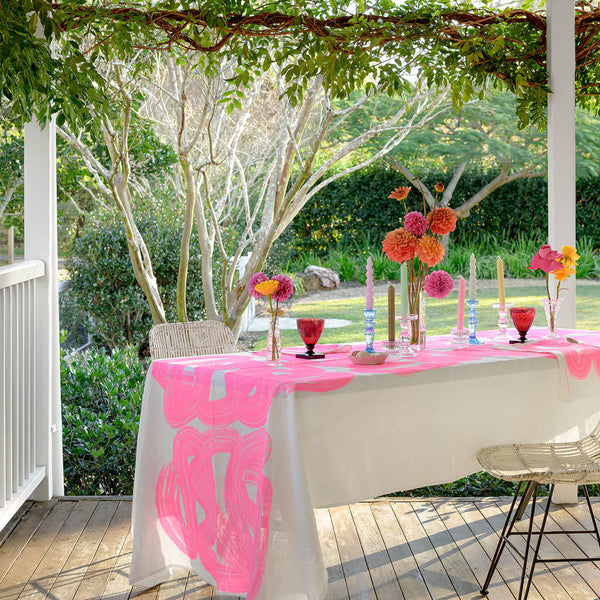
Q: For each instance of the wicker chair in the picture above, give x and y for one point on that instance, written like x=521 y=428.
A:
x=532 y=465
x=196 y=338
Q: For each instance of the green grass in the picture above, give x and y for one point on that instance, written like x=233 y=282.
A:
x=441 y=314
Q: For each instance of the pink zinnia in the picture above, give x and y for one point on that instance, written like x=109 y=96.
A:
x=546 y=259
x=438 y=284
x=415 y=223
x=255 y=280
x=285 y=289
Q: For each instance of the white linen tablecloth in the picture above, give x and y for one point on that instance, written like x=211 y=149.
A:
x=233 y=499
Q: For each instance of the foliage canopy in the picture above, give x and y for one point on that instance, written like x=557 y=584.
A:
x=352 y=45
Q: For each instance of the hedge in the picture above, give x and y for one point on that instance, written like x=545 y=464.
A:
x=357 y=206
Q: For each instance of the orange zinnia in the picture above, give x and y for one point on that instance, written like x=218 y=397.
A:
x=442 y=220
x=562 y=274
x=399 y=245
x=430 y=251
x=266 y=288
x=400 y=193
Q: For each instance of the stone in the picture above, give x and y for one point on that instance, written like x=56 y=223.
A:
x=317 y=279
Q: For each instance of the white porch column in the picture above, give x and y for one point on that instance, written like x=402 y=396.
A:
x=41 y=242
x=561 y=157
x=561 y=138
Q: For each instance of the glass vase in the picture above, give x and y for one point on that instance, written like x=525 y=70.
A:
x=418 y=326
x=551 y=308
x=273 y=343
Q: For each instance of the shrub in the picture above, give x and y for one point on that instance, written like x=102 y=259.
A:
x=104 y=286
x=101 y=400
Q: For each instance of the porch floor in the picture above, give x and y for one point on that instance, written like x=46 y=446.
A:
x=80 y=548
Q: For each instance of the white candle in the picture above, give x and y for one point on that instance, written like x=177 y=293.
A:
x=460 y=319
x=472 y=278
x=403 y=290
x=370 y=297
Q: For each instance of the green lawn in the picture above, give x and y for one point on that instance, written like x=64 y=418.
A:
x=441 y=314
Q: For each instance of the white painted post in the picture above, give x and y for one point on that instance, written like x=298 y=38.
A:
x=561 y=139
x=561 y=157
x=41 y=242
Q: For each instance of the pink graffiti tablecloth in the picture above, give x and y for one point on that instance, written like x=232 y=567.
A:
x=233 y=456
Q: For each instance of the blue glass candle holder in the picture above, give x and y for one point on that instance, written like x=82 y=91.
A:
x=472 y=323
x=369 y=329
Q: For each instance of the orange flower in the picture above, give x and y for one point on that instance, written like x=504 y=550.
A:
x=439 y=187
x=562 y=274
x=266 y=288
x=430 y=251
x=569 y=256
x=442 y=220
x=399 y=245
x=400 y=193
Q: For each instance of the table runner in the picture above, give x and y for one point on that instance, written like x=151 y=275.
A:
x=225 y=485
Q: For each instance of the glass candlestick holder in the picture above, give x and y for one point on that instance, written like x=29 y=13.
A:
x=460 y=338
x=405 y=349
x=369 y=329
x=502 y=335
x=472 y=323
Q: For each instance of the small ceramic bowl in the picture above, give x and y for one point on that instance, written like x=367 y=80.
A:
x=359 y=357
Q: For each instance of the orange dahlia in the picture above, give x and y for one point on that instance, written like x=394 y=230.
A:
x=399 y=245
x=400 y=193
x=429 y=250
x=442 y=220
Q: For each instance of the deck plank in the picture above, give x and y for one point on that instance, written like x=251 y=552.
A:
x=385 y=549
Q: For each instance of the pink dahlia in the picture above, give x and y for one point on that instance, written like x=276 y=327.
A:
x=415 y=223
x=285 y=289
x=255 y=280
x=438 y=284
x=546 y=259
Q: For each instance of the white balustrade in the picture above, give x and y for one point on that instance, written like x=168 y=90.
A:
x=20 y=471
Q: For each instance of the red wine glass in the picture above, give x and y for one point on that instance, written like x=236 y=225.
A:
x=522 y=317
x=310 y=331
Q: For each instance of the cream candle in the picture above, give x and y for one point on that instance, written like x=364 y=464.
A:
x=370 y=301
x=460 y=319
x=391 y=313
x=472 y=278
x=403 y=290
x=500 y=270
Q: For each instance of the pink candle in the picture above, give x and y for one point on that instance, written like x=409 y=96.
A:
x=460 y=321
x=370 y=298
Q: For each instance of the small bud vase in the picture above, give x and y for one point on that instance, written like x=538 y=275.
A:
x=417 y=306
x=273 y=343
x=551 y=308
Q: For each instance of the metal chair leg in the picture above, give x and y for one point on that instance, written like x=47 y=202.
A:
x=589 y=504
x=536 y=552
x=506 y=532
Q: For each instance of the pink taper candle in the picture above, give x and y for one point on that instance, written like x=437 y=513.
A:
x=370 y=298
x=460 y=320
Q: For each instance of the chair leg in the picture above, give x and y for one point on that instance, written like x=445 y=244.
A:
x=536 y=552
x=589 y=504
x=508 y=525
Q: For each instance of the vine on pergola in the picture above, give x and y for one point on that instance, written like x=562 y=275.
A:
x=449 y=43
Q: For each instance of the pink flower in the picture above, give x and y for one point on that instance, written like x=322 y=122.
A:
x=285 y=289
x=255 y=280
x=546 y=259
x=438 y=284
x=415 y=223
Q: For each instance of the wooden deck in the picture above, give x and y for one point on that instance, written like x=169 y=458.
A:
x=79 y=549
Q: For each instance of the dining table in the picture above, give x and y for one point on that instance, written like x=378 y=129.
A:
x=234 y=455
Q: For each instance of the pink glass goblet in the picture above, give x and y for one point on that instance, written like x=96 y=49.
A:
x=522 y=317
x=310 y=331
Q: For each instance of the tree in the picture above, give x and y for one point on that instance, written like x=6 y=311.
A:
x=243 y=173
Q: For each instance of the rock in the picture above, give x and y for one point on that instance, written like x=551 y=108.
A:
x=317 y=279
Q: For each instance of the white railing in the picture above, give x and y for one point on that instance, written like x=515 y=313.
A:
x=20 y=472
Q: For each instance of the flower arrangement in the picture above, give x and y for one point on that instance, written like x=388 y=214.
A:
x=279 y=288
x=561 y=265
x=418 y=244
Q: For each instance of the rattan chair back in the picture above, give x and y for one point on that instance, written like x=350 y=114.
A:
x=195 y=338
